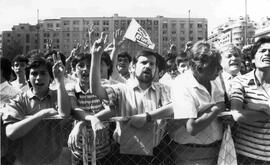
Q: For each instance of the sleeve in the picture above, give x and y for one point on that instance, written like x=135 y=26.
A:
x=72 y=97
x=165 y=95
x=237 y=90
x=114 y=92
x=14 y=111
x=112 y=95
x=184 y=105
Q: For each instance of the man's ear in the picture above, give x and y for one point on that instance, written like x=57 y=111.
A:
x=199 y=68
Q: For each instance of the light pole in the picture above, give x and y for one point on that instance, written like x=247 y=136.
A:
x=38 y=46
x=188 y=25
x=245 y=30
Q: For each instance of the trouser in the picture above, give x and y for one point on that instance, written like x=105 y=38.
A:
x=196 y=154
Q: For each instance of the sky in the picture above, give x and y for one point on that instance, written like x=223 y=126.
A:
x=217 y=12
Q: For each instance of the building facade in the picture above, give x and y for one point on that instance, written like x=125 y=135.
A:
x=66 y=32
x=20 y=40
x=263 y=28
x=233 y=31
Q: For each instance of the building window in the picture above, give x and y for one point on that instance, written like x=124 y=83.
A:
x=142 y=22
x=173 y=25
x=165 y=25
x=49 y=25
x=57 y=25
x=165 y=39
x=96 y=22
x=27 y=48
x=199 y=25
x=27 y=38
x=66 y=22
x=85 y=22
x=106 y=23
x=174 y=32
x=182 y=25
x=76 y=22
x=76 y=29
x=105 y=29
x=155 y=22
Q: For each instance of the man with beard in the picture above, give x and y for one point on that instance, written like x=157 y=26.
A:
x=136 y=101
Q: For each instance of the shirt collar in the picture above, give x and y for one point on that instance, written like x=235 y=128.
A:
x=134 y=84
x=252 y=79
x=4 y=84
x=191 y=79
x=228 y=76
x=31 y=95
x=78 y=88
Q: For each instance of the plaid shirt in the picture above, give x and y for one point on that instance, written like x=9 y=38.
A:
x=130 y=100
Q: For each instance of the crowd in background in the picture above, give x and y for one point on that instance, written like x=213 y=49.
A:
x=180 y=96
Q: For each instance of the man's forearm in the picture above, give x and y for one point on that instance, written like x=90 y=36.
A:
x=163 y=112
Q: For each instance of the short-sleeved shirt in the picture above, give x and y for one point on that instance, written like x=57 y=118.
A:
x=252 y=139
x=129 y=100
x=20 y=87
x=7 y=92
x=43 y=143
x=189 y=98
x=91 y=103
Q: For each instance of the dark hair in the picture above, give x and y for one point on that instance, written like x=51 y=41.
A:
x=125 y=54
x=5 y=65
x=36 y=62
x=49 y=57
x=198 y=59
x=80 y=57
x=106 y=58
x=20 y=58
x=161 y=64
x=258 y=43
x=182 y=57
x=144 y=53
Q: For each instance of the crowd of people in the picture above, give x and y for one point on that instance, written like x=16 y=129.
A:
x=142 y=109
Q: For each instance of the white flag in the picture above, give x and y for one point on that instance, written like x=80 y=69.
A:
x=137 y=34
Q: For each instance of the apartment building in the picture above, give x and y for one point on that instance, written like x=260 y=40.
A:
x=66 y=32
x=233 y=31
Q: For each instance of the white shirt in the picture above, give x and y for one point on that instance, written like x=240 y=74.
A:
x=7 y=92
x=189 y=97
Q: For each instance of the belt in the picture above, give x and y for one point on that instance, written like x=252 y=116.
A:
x=214 y=144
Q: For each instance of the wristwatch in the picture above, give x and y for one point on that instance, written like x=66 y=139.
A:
x=148 y=117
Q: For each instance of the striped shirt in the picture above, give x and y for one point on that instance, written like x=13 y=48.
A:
x=251 y=139
x=91 y=103
x=130 y=100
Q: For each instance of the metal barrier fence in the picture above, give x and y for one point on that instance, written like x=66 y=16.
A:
x=167 y=152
